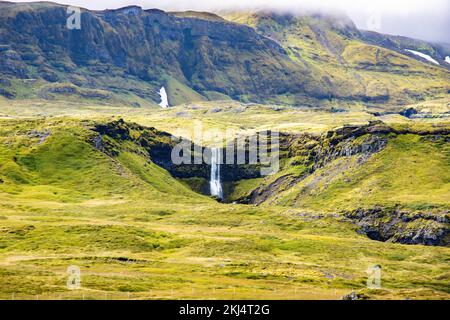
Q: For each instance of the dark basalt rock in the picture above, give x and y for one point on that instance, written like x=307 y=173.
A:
x=204 y=54
x=354 y=296
x=408 y=113
x=394 y=225
x=158 y=147
x=7 y=93
x=312 y=151
x=116 y=130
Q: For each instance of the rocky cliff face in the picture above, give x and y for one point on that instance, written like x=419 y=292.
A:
x=313 y=152
x=149 y=46
x=158 y=146
x=427 y=228
x=265 y=57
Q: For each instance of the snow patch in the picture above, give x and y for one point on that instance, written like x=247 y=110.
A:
x=447 y=59
x=423 y=55
x=164 y=101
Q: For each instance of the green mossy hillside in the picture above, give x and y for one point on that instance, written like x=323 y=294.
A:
x=355 y=64
x=135 y=232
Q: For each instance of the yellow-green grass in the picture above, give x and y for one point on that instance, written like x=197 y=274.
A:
x=411 y=172
x=223 y=115
x=135 y=232
x=353 y=67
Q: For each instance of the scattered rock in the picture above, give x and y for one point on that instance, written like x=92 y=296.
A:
x=98 y=142
x=182 y=114
x=309 y=216
x=408 y=113
x=5 y=82
x=41 y=135
x=354 y=296
x=215 y=110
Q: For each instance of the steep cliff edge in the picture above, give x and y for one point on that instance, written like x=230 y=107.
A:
x=138 y=51
x=126 y=55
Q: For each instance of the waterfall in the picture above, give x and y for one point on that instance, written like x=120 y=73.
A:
x=164 y=101
x=215 y=184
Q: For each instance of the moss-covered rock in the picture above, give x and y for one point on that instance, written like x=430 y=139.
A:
x=384 y=224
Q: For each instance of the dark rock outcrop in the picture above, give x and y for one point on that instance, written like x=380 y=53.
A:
x=207 y=55
x=158 y=146
x=355 y=296
x=382 y=224
x=408 y=113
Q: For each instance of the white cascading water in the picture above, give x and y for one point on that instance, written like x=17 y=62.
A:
x=164 y=100
x=214 y=183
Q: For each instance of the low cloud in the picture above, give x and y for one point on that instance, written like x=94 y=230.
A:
x=428 y=20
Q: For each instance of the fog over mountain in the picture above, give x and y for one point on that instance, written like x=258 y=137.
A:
x=427 y=20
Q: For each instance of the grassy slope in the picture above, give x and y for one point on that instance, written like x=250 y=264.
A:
x=354 y=67
x=135 y=232
x=410 y=172
x=329 y=61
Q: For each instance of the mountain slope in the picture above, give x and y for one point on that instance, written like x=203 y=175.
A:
x=362 y=166
x=137 y=50
x=392 y=181
x=61 y=160
x=135 y=232
x=437 y=51
x=339 y=53
x=127 y=55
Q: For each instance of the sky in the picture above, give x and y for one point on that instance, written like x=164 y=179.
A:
x=421 y=19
